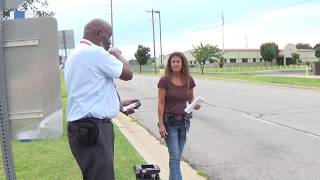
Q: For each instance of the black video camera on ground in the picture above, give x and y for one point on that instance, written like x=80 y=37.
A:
x=147 y=172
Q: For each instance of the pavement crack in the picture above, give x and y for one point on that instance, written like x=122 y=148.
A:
x=260 y=115
x=225 y=107
x=286 y=109
x=290 y=113
x=282 y=125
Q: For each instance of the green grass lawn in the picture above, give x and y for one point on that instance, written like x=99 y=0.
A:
x=247 y=69
x=251 y=77
x=51 y=159
x=295 y=81
x=231 y=69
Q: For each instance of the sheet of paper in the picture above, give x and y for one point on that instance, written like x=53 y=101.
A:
x=190 y=107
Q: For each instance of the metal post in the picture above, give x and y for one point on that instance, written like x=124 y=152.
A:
x=5 y=133
x=154 y=43
x=64 y=44
x=161 y=62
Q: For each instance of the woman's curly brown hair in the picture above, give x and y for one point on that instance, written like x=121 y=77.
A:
x=185 y=65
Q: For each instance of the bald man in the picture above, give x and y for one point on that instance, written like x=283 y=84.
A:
x=89 y=74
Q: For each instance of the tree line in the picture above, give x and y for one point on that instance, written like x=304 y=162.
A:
x=210 y=53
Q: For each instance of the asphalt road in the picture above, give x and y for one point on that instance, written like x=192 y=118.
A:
x=245 y=130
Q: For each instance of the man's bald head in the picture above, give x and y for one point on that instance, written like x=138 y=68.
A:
x=98 y=31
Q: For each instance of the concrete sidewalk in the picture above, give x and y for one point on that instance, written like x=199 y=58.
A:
x=151 y=148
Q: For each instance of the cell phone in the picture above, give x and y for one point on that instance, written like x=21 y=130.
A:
x=134 y=105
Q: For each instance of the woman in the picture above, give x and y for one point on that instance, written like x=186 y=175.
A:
x=175 y=90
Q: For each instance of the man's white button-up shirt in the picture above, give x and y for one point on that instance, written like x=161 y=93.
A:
x=89 y=72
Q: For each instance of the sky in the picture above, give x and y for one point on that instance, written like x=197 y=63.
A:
x=187 y=23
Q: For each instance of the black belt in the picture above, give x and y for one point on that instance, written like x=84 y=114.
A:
x=98 y=120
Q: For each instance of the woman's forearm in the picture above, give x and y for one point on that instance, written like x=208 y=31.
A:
x=160 y=112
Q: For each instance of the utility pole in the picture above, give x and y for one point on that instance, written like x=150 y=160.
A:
x=161 y=62
x=154 y=43
x=111 y=11
x=222 y=33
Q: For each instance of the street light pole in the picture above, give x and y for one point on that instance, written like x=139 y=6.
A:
x=154 y=44
x=161 y=62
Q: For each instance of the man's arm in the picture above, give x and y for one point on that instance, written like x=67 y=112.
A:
x=126 y=73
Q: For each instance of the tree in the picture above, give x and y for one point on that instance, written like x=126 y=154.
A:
x=208 y=52
x=317 y=52
x=316 y=46
x=269 y=51
x=142 y=55
x=295 y=58
x=35 y=7
x=303 y=46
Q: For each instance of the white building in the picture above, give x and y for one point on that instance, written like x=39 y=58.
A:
x=253 y=56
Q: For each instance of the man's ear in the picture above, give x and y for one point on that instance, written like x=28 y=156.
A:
x=97 y=35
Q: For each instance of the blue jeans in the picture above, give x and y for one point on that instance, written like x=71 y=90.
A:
x=176 y=140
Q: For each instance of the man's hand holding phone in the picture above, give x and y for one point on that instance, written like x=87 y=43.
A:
x=129 y=106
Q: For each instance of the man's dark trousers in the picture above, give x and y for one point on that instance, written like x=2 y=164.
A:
x=92 y=144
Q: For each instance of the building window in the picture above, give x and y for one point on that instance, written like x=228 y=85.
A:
x=233 y=61
x=254 y=60
x=244 y=60
x=190 y=62
x=194 y=62
x=261 y=59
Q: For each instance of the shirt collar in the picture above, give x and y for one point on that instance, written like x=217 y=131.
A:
x=86 y=42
